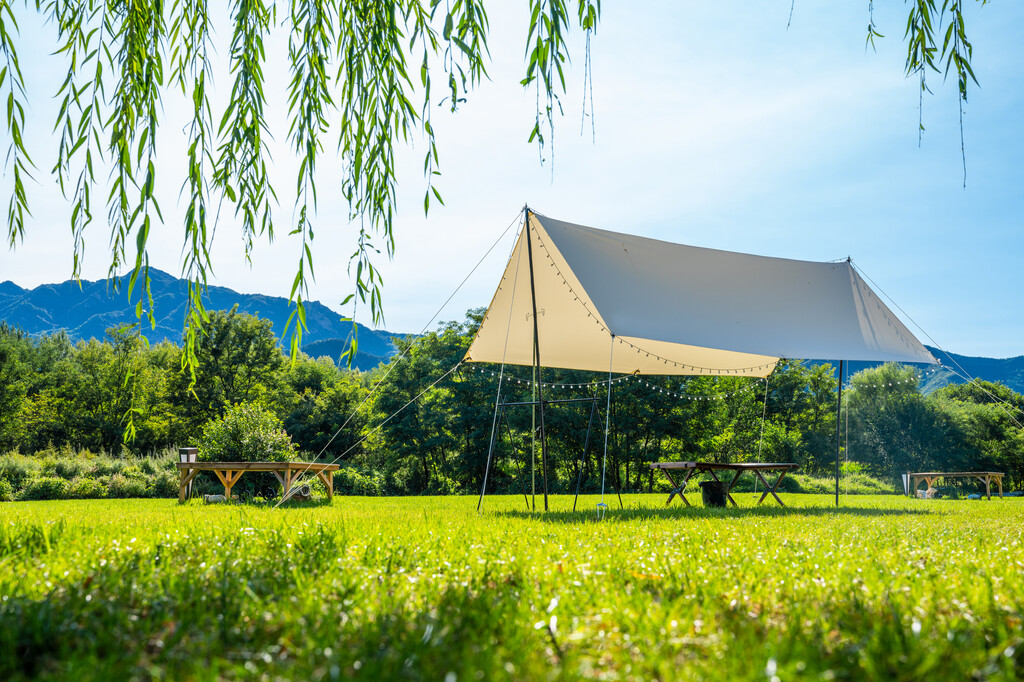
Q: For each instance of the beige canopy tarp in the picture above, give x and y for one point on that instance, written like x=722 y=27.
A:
x=615 y=301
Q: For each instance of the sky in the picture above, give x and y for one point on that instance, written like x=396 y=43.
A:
x=714 y=124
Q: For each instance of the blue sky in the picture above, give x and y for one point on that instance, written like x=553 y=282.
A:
x=715 y=126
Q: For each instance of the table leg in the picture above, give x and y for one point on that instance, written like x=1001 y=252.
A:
x=678 y=490
x=675 y=487
x=279 y=477
x=999 y=482
x=732 y=484
x=770 y=488
x=727 y=495
x=228 y=477
x=186 y=477
x=328 y=478
x=289 y=479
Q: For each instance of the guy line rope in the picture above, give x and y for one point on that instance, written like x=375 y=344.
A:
x=395 y=362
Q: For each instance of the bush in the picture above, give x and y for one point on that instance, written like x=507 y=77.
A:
x=351 y=481
x=69 y=469
x=46 y=488
x=18 y=469
x=105 y=466
x=443 y=485
x=165 y=484
x=83 y=488
x=6 y=491
x=248 y=433
x=121 y=486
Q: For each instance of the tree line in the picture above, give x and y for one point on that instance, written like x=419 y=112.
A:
x=422 y=423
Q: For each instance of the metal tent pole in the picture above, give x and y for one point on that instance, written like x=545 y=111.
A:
x=586 y=445
x=533 y=439
x=839 y=408
x=512 y=444
x=608 y=416
x=490 y=449
x=537 y=365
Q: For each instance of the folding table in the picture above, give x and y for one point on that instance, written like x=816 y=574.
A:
x=711 y=467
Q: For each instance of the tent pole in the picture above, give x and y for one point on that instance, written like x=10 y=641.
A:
x=839 y=408
x=512 y=444
x=533 y=439
x=494 y=429
x=536 y=357
x=617 y=478
x=607 y=416
x=583 y=457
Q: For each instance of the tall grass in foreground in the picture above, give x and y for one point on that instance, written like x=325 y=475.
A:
x=425 y=588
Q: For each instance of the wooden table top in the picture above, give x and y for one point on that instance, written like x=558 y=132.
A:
x=739 y=466
x=259 y=466
x=959 y=473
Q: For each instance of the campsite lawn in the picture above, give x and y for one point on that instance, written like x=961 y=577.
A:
x=425 y=588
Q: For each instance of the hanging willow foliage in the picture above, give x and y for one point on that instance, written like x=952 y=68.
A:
x=354 y=83
x=352 y=62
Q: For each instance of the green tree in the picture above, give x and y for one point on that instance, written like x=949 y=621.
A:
x=14 y=345
x=802 y=405
x=239 y=362
x=892 y=427
x=985 y=427
x=413 y=447
x=318 y=403
x=48 y=414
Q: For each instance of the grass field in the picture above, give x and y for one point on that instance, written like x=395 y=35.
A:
x=426 y=588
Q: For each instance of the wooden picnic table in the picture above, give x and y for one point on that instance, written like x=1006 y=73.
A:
x=711 y=467
x=230 y=472
x=985 y=477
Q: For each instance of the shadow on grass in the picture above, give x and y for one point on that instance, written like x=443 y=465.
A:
x=638 y=512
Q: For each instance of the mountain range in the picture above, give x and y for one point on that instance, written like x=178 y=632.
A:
x=87 y=309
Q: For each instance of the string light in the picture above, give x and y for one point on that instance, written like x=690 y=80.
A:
x=661 y=390
x=627 y=378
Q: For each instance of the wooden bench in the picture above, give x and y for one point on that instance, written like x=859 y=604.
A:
x=985 y=477
x=711 y=467
x=230 y=472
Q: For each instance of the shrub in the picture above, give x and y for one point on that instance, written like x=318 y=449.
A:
x=443 y=485
x=121 y=486
x=83 y=488
x=351 y=481
x=862 y=484
x=165 y=484
x=18 y=469
x=6 y=491
x=248 y=433
x=46 y=488
x=105 y=466
x=69 y=468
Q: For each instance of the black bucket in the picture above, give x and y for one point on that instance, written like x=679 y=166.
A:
x=713 y=493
